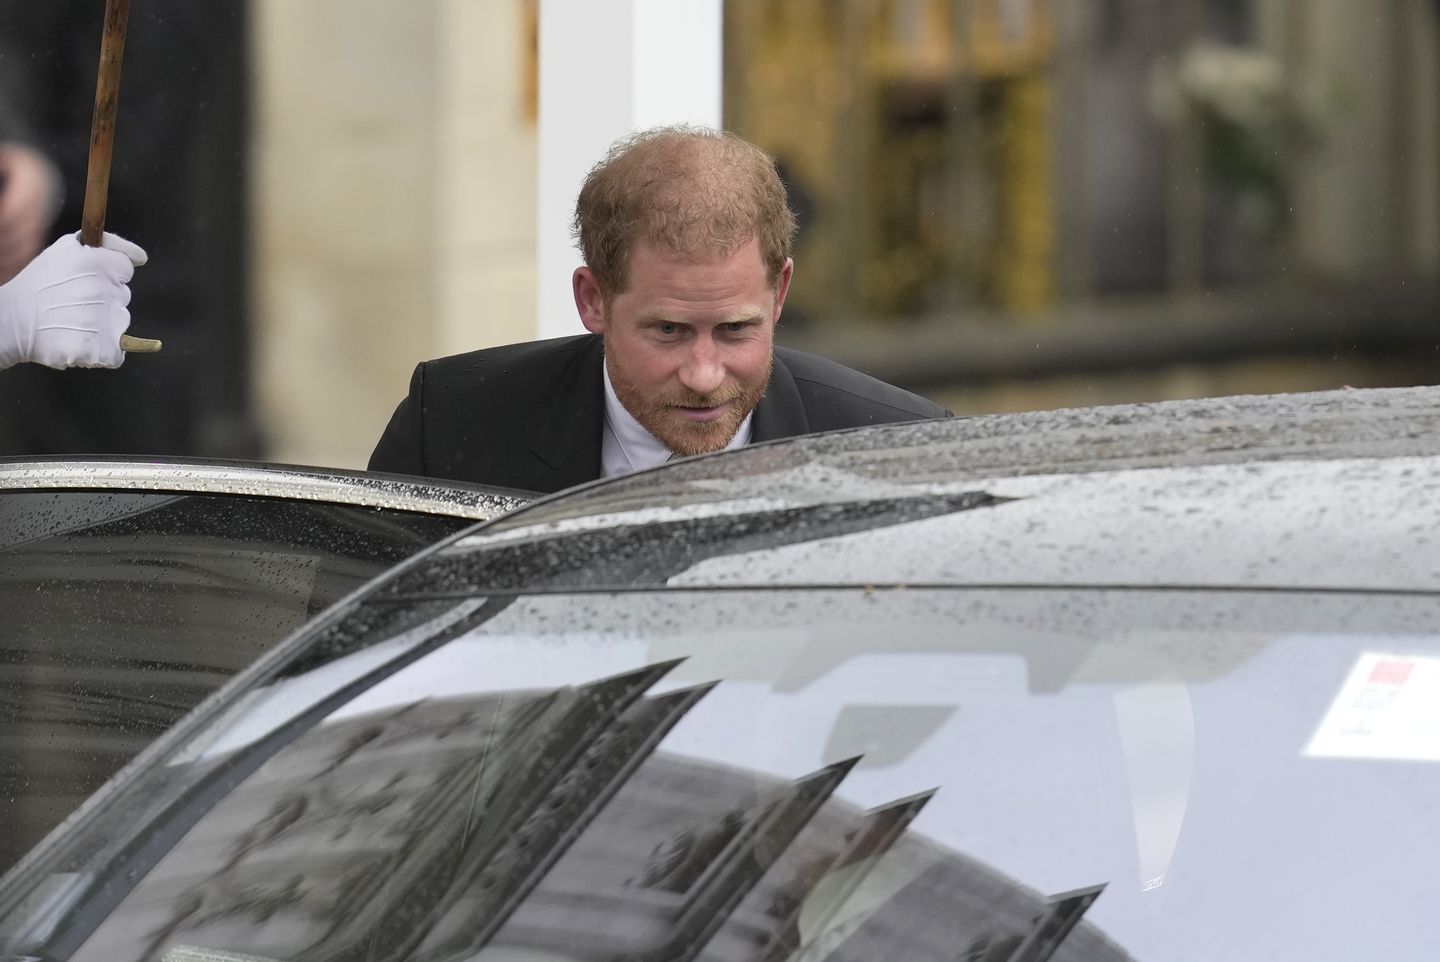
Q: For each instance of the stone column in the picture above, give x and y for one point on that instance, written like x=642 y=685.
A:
x=393 y=206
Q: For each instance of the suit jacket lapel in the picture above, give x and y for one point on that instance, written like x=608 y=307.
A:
x=780 y=413
x=567 y=439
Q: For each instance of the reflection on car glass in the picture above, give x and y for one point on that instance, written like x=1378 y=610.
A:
x=524 y=819
x=182 y=795
x=1156 y=726
x=1046 y=718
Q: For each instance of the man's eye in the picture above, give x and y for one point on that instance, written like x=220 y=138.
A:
x=735 y=327
x=668 y=329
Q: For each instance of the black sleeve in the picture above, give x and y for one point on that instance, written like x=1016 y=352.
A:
x=401 y=448
x=15 y=125
x=39 y=80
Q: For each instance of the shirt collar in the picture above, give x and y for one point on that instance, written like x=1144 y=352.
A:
x=627 y=446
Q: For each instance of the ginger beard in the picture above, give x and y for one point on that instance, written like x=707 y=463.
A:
x=662 y=418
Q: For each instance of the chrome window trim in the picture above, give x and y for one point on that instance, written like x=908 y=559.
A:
x=304 y=484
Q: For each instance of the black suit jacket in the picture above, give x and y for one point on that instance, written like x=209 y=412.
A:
x=531 y=416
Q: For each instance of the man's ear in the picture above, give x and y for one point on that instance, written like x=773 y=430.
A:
x=589 y=302
x=782 y=285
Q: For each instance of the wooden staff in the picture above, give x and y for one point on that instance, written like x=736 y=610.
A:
x=102 y=143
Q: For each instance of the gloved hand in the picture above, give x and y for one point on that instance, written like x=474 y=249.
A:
x=68 y=307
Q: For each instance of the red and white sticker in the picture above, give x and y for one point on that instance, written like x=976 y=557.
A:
x=1388 y=708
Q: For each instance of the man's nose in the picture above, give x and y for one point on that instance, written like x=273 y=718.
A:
x=704 y=370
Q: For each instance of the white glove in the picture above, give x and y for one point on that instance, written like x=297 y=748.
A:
x=68 y=307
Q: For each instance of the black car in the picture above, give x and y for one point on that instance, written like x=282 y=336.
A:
x=1148 y=682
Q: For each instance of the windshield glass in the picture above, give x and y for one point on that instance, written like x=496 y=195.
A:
x=122 y=610
x=796 y=774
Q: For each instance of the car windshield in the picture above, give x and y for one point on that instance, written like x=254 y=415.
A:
x=791 y=773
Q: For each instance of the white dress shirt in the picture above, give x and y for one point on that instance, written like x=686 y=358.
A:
x=627 y=446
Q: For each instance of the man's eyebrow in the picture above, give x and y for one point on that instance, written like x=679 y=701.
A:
x=746 y=316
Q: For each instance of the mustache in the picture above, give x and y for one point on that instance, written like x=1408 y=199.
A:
x=715 y=399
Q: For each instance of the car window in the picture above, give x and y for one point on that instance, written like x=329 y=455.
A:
x=792 y=774
x=122 y=610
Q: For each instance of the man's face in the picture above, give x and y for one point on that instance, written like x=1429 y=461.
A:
x=688 y=343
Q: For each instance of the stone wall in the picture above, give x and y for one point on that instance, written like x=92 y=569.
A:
x=394 y=206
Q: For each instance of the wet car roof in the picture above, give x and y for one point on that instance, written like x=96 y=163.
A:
x=1390 y=422
x=1283 y=491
